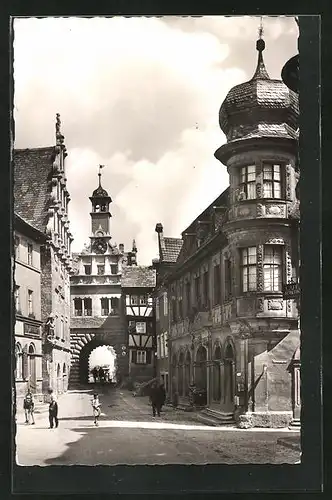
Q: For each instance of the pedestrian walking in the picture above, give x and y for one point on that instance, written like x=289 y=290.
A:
x=53 y=410
x=96 y=408
x=29 y=407
x=157 y=398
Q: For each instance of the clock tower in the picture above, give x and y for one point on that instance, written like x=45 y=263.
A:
x=100 y=218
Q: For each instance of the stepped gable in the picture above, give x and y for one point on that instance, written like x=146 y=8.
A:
x=32 y=173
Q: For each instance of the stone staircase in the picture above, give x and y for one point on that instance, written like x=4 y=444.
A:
x=215 y=418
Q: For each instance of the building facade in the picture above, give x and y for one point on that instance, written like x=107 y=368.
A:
x=41 y=198
x=169 y=249
x=98 y=310
x=27 y=300
x=138 y=284
x=232 y=333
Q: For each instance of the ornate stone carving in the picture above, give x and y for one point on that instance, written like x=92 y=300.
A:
x=289 y=306
x=260 y=275
x=274 y=210
x=259 y=192
x=259 y=210
x=260 y=304
x=289 y=271
x=243 y=211
x=275 y=304
x=274 y=241
x=288 y=182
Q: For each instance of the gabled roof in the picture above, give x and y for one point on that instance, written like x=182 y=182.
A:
x=171 y=249
x=22 y=225
x=138 y=277
x=32 y=172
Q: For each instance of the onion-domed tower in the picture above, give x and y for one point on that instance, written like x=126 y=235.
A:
x=260 y=121
x=100 y=219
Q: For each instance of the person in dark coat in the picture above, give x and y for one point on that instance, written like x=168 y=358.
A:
x=95 y=374
x=53 y=410
x=157 y=398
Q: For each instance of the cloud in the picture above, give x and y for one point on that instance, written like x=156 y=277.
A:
x=140 y=95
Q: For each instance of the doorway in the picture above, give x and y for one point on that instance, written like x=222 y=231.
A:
x=229 y=377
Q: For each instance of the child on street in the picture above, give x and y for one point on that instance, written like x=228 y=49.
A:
x=29 y=406
x=96 y=408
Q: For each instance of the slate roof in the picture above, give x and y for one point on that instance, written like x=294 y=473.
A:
x=171 y=249
x=260 y=100
x=32 y=173
x=138 y=277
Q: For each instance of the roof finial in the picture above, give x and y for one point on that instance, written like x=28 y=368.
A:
x=260 y=46
x=59 y=137
x=99 y=174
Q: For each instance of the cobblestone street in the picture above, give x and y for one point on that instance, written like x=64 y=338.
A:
x=129 y=434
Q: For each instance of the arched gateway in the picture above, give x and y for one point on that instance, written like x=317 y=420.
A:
x=82 y=346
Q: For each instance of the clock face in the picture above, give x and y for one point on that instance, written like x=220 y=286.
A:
x=100 y=246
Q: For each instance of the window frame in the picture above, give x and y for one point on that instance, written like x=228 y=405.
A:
x=273 y=181
x=245 y=184
x=81 y=308
x=245 y=269
x=30 y=303
x=144 y=330
x=89 y=266
x=105 y=311
x=276 y=278
x=87 y=310
x=141 y=357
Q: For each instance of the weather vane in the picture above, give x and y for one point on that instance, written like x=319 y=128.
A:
x=99 y=173
x=261 y=29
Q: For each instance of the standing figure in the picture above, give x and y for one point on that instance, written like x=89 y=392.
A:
x=157 y=398
x=29 y=406
x=53 y=410
x=96 y=408
x=95 y=374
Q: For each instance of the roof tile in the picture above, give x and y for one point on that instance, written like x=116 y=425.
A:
x=138 y=277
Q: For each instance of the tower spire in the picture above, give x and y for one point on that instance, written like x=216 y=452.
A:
x=260 y=46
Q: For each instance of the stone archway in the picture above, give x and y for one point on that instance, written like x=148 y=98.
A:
x=187 y=365
x=229 y=376
x=217 y=374
x=201 y=368
x=84 y=355
x=181 y=374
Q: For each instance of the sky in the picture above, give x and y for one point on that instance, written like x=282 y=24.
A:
x=141 y=96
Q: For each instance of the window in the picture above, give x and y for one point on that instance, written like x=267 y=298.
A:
x=158 y=346
x=165 y=304
x=114 y=305
x=87 y=311
x=104 y=306
x=188 y=297
x=17 y=299
x=272 y=268
x=100 y=270
x=228 y=279
x=216 y=284
x=141 y=357
x=19 y=362
x=249 y=269
x=174 y=312
x=180 y=308
x=148 y=357
x=165 y=345
x=197 y=290
x=30 y=250
x=162 y=346
x=134 y=300
x=157 y=309
x=17 y=247
x=140 y=327
x=114 y=269
x=78 y=309
x=206 y=288
x=143 y=300
x=87 y=269
x=134 y=356
x=271 y=181
x=30 y=303
x=132 y=327
x=248 y=181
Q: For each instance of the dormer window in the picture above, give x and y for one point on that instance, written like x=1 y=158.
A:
x=271 y=181
x=247 y=189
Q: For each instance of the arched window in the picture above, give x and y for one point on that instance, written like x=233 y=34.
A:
x=32 y=367
x=19 y=362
